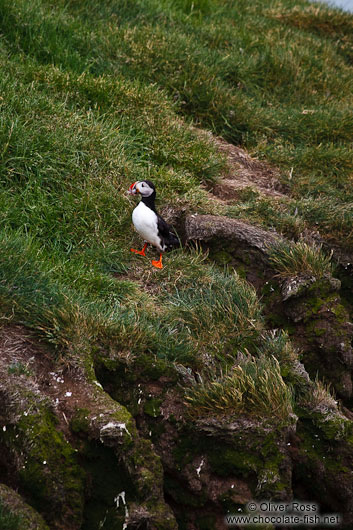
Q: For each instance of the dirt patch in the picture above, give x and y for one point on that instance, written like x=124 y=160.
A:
x=244 y=171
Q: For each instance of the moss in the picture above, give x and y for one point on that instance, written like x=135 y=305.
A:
x=318 y=295
x=80 y=421
x=313 y=305
x=340 y=312
x=318 y=449
x=319 y=332
x=162 y=519
x=334 y=427
x=16 y=514
x=10 y=520
x=150 y=368
x=252 y=455
x=221 y=257
x=122 y=381
x=269 y=449
x=148 y=469
x=315 y=458
x=227 y=461
x=138 y=456
x=152 y=407
x=247 y=259
x=241 y=270
x=49 y=475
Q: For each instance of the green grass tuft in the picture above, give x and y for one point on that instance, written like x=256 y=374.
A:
x=294 y=259
x=253 y=387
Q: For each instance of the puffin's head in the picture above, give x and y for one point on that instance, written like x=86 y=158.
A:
x=143 y=187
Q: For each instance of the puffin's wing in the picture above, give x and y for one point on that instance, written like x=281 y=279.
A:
x=167 y=233
x=163 y=226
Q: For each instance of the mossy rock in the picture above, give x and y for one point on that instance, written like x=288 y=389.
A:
x=221 y=257
x=334 y=426
x=249 y=451
x=49 y=473
x=80 y=421
x=16 y=514
x=228 y=460
x=323 y=467
x=152 y=407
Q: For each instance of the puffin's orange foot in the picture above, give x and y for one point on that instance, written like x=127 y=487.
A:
x=141 y=252
x=158 y=263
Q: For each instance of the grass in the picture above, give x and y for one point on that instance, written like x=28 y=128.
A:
x=321 y=397
x=253 y=387
x=179 y=323
x=95 y=96
x=275 y=77
x=293 y=259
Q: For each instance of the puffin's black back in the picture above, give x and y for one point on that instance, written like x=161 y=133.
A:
x=167 y=234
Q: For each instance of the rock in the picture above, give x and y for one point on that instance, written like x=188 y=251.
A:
x=39 y=416
x=209 y=227
x=298 y=285
x=36 y=456
x=323 y=331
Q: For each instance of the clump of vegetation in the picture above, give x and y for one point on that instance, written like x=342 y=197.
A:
x=293 y=259
x=218 y=316
x=253 y=387
x=320 y=398
x=18 y=368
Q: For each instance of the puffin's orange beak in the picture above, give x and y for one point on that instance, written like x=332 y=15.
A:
x=132 y=190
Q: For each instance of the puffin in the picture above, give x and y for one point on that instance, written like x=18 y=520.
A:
x=149 y=224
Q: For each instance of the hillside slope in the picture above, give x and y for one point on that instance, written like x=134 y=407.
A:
x=140 y=398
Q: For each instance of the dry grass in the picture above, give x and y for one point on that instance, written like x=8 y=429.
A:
x=321 y=397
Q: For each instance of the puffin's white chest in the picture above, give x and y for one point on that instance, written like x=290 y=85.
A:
x=145 y=222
